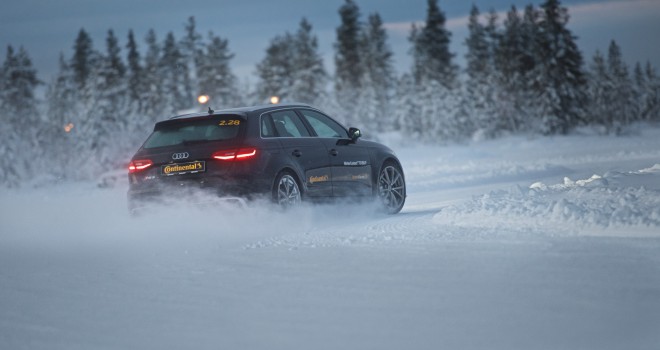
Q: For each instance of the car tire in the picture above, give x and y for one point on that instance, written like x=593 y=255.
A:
x=391 y=188
x=286 y=190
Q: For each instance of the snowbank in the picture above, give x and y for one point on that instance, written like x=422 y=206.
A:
x=615 y=203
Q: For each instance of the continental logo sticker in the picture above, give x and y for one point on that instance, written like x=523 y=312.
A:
x=360 y=177
x=356 y=163
x=315 y=179
x=183 y=168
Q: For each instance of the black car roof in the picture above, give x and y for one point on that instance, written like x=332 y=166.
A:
x=241 y=110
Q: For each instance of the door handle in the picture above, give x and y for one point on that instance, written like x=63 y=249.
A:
x=296 y=153
x=333 y=152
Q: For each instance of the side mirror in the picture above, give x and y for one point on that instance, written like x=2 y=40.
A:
x=354 y=134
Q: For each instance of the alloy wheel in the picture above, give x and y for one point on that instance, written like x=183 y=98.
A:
x=288 y=192
x=391 y=189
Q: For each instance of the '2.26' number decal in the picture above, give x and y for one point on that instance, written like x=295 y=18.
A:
x=230 y=122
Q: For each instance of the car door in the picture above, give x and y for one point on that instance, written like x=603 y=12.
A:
x=350 y=162
x=308 y=154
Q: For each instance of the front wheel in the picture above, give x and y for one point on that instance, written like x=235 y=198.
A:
x=391 y=188
x=286 y=192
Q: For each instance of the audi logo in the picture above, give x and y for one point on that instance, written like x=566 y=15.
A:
x=183 y=155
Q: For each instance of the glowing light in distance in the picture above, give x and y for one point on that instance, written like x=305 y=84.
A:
x=203 y=99
x=274 y=100
x=68 y=127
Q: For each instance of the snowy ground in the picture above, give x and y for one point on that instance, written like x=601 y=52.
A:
x=549 y=243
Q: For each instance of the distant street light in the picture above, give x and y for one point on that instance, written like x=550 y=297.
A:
x=274 y=100
x=202 y=99
x=68 y=128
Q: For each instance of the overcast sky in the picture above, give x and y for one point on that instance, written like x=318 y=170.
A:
x=47 y=27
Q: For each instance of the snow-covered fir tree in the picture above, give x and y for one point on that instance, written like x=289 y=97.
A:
x=623 y=103
x=349 y=69
x=293 y=68
x=432 y=60
x=173 y=69
x=110 y=117
x=83 y=112
x=64 y=123
x=375 y=101
x=651 y=108
x=639 y=90
x=20 y=118
x=84 y=58
x=513 y=62
x=600 y=89
x=154 y=98
x=478 y=105
x=478 y=56
x=309 y=75
x=275 y=70
x=134 y=75
x=191 y=47
x=214 y=74
x=558 y=75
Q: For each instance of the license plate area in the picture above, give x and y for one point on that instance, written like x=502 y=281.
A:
x=197 y=166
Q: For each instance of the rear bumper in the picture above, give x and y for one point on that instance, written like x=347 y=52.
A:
x=176 y=190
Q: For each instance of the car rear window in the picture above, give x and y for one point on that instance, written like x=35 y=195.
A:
x=182 y=132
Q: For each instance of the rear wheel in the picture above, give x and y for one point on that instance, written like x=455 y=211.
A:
x=391 y=188
x=286 y=192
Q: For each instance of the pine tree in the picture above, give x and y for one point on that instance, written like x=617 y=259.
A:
x=191 y=47
x=639 y=85
x=600 y=94
x=652 y=106
x=517 y=42
x=275 y=71
x=64 y=122
x=478 y=53
x=19 y=116
x=479 y=96
x=214 y=74
x=293 y=68
x=309 y=76
x=135 y=75
x=85 y=66
x=375 y=107
x=154 y=99
x=623 y=104
x=84 y=58
x=110 y=118
x=432 y=60
x=349 y=69
x=559 y=78
x=530 y=33
x=173 y=69
x=18 y=87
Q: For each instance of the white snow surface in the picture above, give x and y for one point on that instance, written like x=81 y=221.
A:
x=517 y=243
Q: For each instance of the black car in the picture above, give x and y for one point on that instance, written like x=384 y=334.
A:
x=288 y=152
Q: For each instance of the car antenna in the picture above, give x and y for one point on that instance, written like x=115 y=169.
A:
x=211 y=111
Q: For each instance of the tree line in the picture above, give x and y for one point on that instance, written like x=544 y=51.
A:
x=523 y=74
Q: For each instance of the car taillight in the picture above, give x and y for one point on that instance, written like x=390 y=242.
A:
x=241 y=154
x=139 y=165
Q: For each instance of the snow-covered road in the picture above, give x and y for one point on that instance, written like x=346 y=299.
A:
x=507 y=244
